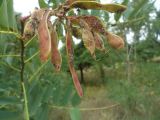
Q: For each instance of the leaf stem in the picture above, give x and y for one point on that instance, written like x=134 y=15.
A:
x=22 y=81
x=35 y=54
x=25 y=102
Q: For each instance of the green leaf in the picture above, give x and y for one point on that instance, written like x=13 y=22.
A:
x=75 y=114
x=8 y=100
x=67 y=94
x=114 y=8
x=75 y=99
x=137 y=9
x=117 y=16
x=4 y=18
x=8 y=115
x=42 y=113
x=11 y=15
x=35 y=100
x=42 y=4
x=7 y=21
x=1 y=3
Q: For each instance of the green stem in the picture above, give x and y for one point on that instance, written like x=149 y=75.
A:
x=25 y=102
x=22 y=81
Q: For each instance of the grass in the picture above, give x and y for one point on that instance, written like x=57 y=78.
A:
x=138 y=98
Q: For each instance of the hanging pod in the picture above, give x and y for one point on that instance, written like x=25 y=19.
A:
x=44 y=36
x=114 y=41
x=87 y=38
x=69 y=50
x=113 y=8
x=99 y=44
x=56 y=58
x=69 y=2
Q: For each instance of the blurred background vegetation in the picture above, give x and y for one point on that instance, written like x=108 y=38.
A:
x=119 y=85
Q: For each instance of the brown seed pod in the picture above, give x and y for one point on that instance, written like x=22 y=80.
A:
x=56 y=58
x=98 y=41
x=29 y=29
x=114 y=40
x=93 y=22
x=44 y=37
x=69 y=50
x=87 y=37
x=37 y=14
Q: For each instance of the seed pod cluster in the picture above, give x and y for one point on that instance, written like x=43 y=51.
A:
x=88 y=28
x=47 y=35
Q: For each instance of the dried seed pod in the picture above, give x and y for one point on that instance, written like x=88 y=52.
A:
x=69 y=50
x=93 y=22
x=97 y=6
x=44 y=37
x=56 y=58
x=88 y=41
x=98 y=41
x=37 y=14
x=114 y=40
x=29 y=29
x=69 y=2
x=87 y=37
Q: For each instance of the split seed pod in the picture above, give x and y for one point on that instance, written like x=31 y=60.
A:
x=115 y=41
x=88 y=38
x=94 y=23
x=98 y=41
x=69 y=50
x=44 y=37
x=29 y=29
x=37 y=14
x=56 y=58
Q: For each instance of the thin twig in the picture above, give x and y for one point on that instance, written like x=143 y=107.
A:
x=22 y=60
x=86 y=109
x=26 y=112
